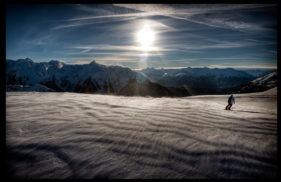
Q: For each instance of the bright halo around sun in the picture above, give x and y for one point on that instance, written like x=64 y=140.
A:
x=145 y=37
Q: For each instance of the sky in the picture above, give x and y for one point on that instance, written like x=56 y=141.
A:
x=145 y=35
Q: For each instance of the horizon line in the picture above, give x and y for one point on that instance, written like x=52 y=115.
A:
x=160 y=67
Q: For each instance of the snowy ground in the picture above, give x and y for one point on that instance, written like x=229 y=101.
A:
x=71 y=135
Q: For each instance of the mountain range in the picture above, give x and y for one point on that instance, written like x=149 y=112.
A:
x=206 y=80
x=27 y=75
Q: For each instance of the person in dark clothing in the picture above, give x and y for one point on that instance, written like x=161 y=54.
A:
x=231 y=100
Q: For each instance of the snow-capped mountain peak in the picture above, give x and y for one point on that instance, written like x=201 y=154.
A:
x=56 y=63
x=93 y=78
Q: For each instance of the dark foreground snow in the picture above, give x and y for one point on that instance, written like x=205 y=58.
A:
x=70 y=135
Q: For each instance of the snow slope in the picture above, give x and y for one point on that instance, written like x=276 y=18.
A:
x=269 y=79
x=258 y=85
x=71 y=135
x=28 y=88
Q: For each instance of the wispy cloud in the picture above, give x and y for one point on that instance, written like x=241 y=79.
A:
x=192 y=13
x=125 y=54
x=125 y=15
x=79 y=23
x=242 y=66
x=116 y=59
x=213 y=67
x=185 y=34
x=215 y=44
x=190 y=8
x=109 y=47
x=81 y=61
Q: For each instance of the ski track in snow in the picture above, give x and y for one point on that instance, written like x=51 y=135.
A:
x=71 y=135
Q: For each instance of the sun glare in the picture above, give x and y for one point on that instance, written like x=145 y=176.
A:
x=145 y=37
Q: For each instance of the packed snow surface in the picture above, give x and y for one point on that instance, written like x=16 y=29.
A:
x=71 y=135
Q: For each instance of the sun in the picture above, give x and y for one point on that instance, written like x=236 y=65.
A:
x=146 y=37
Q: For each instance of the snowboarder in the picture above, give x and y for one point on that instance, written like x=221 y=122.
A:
x=231 y=100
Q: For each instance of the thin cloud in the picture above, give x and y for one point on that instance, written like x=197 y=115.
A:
x=190 y=8
x=116 y=59
x=81 y=62
x=88 y=9
x=127 y=54
x=243 y=66
x=190 y=14
x=214 y=66
x=217 y=45
x=108 y=47
x=83 y=23
x=183 y=34
x=145 y=14
x=170 y=67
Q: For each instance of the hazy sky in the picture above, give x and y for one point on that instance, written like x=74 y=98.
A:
x=212 y=35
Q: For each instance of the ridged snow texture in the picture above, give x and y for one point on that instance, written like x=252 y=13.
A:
x=72 y=135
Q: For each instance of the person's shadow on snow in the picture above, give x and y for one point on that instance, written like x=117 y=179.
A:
x=246 y=111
